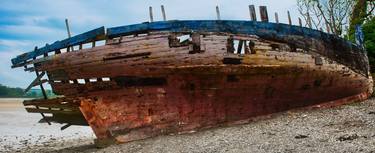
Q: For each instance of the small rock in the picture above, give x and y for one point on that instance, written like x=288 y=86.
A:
x=300 y=136
x=347 y=137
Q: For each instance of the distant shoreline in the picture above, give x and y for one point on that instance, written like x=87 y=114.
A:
x=13 y=100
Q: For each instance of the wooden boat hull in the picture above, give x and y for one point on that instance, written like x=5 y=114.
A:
x=142 y=85
x=190 y=102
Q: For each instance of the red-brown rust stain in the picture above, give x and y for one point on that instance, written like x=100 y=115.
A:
x=191 y=101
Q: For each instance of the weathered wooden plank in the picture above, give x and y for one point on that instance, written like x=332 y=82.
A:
x=48 y=111
x=56 y=103
x=218 y=13
x=300 y=22
x=151 y=14
x=276 y=17
x=289 y=18
x=158 y=50
x=163 y=13
x=263 y=13
x=89 y=36
x=240 y=44
x=252 y=12
x=30 y=69
x=68 y=31
x=35 y=82
x=279 y=32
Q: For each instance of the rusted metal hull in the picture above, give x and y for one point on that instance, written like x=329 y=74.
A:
x=141 y=85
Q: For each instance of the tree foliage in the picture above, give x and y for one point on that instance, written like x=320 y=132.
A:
x=332 y=15
x=8 y=92
x=362 y=11
x=369 y=32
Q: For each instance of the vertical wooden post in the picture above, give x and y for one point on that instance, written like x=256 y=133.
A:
x=300 y=22
x=46 y=53
x=253 y=15
x=230 y=45
x=67 y=28
x=247 y=50
x=151 y=15
x=276 y=17
x=58 y=51
x=263 y=13
x=41 y=88
x=218 y=13
x=69 y=34
x=196 y=40
x=289 y=18
x=163 y=13
x=239 y=48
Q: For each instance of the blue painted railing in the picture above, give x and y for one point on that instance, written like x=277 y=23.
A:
x=76 y=40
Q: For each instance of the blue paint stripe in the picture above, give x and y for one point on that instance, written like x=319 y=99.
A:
x=76 y=40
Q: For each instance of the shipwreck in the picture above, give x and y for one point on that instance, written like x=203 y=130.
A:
x=137 y=81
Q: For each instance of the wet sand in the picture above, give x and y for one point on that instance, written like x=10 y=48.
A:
x=348 y=128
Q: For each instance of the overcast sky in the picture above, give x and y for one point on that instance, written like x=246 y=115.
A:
x=25 y=24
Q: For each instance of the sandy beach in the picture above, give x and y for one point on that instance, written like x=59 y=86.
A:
x=348 y=128
x=20 y=131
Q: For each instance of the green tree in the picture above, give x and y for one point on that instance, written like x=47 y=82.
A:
x=362 y=11
x=369 y=32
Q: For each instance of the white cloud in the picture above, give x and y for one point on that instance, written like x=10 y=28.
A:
x=14 y=43
x=8 y=76
x=33 y=31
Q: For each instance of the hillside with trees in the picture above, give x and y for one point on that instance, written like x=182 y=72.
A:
x=9 y=92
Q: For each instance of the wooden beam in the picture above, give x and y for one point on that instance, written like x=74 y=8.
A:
x=58 y=51
x=37 y=110
x=247 y=49
x=151 y=14
x=96 y=34
x=263 y=13
x=276 y=17
x=65 y=126
x=289 y=18
x=218 y=13
x=300 y=22
x=68 y=30
x=252 y=12
x=239 y=49
x=163 y=13
x=35 y=82
x=45 y=54
x=30 y=69
x=58 y=100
